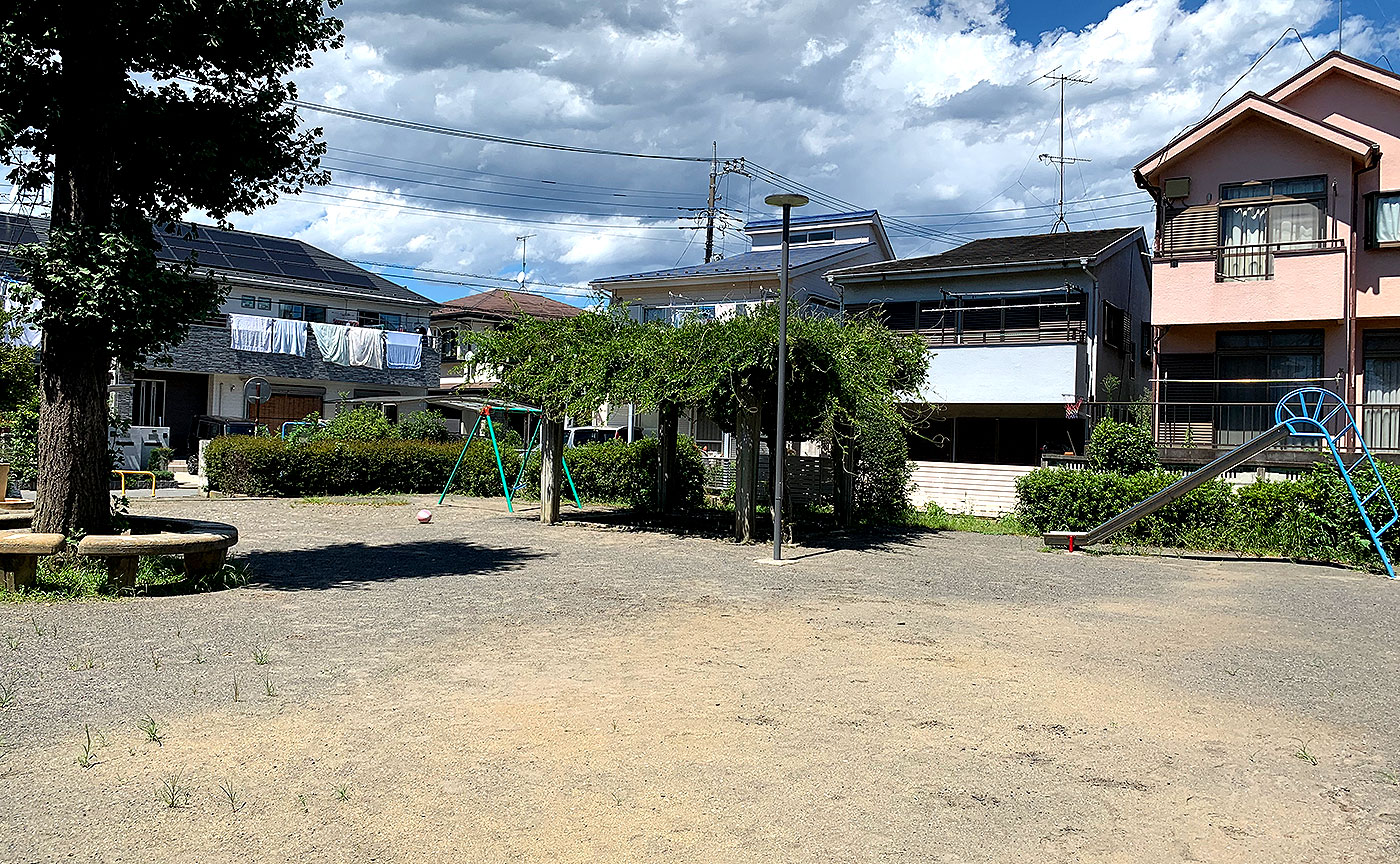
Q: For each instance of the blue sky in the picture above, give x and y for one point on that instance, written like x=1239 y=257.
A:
x=1030 y=19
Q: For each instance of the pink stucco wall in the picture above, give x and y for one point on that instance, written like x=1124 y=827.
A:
x=1307 y=286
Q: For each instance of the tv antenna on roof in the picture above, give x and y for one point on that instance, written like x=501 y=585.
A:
x=1061 y=160
x=521 y=278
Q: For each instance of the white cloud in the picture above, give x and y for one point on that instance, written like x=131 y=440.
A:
x=877 y=103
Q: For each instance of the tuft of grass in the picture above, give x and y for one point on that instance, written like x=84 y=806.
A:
x=8 y=686
x=84 y=660
x=235 y=801
x=938 y=519
x=268 y=688
x=342 y=792
x=38 y=631
x=1390 y=777
x=1303 y=753
x=88 y=757
x=198 y=653
x=305 y=807
x=152 y=730
x=260 y=654
x=12 y=641
x=235 y=688
x=174 y=791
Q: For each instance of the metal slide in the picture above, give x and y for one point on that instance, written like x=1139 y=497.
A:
x=1305 y=413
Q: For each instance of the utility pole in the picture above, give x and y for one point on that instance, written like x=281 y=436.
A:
x=522 y=238
x=730 y=166
x=1060 y=160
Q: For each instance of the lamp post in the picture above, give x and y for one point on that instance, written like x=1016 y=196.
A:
x=787 y=201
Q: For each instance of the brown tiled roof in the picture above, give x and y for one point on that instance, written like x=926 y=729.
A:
x=990 y=251
x=500 y=303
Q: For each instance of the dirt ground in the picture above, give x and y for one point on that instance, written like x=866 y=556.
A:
x=484 y=689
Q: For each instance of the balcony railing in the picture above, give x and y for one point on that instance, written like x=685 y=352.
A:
x=1225 y=425
x=1253 y=262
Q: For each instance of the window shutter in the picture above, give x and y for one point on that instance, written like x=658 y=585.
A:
x=1192 y=229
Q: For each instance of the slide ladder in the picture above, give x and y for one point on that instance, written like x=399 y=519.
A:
x=1311 y=412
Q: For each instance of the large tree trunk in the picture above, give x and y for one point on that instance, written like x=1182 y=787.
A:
x=551 y=468
x=747 y=429
x=843 y=468
x=72 y=465
x=668 y=417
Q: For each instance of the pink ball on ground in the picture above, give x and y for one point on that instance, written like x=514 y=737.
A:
x=425 y=516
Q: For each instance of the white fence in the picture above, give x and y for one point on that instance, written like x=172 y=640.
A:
x=967 y=487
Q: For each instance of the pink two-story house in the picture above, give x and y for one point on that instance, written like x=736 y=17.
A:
x=1277 y=258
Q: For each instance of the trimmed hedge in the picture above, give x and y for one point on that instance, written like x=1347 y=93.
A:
x=1311 y=518
x=612 y=471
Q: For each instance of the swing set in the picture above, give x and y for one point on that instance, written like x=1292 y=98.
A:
x=485 y=412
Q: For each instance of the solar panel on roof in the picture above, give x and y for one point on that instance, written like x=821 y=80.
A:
x=279 y=244
x=255 y=265
x=346 y=277
x=303 y=271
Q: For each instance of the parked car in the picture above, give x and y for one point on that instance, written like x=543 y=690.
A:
x=580 y=435
x=207 y=427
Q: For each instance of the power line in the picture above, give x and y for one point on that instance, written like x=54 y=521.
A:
x=421 y=269
x=497 y=178
x=1023 y=207
x=482 y=136
x=582 y=228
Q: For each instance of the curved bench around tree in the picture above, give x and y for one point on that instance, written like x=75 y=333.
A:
x=204 y=546
x=19 y=555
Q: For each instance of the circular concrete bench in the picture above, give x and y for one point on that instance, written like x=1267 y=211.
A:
x=19 y=556
x=204 y=546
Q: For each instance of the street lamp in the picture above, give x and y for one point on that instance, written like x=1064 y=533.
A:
x=787 y=201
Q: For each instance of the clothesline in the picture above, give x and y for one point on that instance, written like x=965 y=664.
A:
x=339 y=344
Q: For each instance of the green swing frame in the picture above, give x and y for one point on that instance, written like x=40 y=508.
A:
x=484 y=413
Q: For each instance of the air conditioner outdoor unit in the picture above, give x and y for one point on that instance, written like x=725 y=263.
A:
x=1176 y=187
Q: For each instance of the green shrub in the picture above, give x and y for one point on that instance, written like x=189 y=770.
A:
x=158 y=459
x=612 y=471
x=360 y=423
x=1123 y=447
x=1311 y=518
x=423 y=426
x=882 y=470
x=19 y=440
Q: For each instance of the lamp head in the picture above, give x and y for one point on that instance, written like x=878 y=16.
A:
x=786 y=199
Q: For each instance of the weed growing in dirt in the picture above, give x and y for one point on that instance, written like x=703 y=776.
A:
x=12 y=641
x=88 y=758
x=235 y=801
x=84 y=660
x=1390 y=777
x=305 y=807
x=174 y=792
x=8 y=686
x=260 y=654
x=152 y=730
x=198 y=653
x=1303 y=753
x=342 y=792
x=38 y=631
x=268 y=688
x=235 y=688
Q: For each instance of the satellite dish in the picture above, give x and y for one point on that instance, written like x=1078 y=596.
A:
x=520 y=277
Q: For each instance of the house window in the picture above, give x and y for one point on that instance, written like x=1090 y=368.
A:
x=1263 y=366
x=369 y=319
x=1145 y=344
x=1115 y=326
x=290 y=310
x=265 y=303
x=316 y=314
x=1382 y=219
x=810 y=236
x=1260 y=218
x=248 y=301
x=1380 y=415
x=677 y=314
x=148 y=402
x=391 y=321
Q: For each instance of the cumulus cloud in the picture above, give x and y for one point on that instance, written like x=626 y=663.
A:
x=908 y=109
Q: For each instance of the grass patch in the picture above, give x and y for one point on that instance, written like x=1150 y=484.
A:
x=375 y=499
x=936 y=518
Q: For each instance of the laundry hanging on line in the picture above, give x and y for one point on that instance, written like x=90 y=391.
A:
x=366 y=347
x=403 y=350
x=250 y=333
x=289 y=337
x=333 y=340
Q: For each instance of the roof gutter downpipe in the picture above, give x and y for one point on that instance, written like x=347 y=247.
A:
x=1349 y=278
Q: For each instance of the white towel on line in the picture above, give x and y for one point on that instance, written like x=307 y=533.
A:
x=366 y=347
x=333 y=340
x=250 y=333
x=403 y=350
x=289 y=337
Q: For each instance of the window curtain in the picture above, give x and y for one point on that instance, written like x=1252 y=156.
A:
x=1244 y=226
x=1295 y=224
x=1387 y=219
x=1381 y=380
